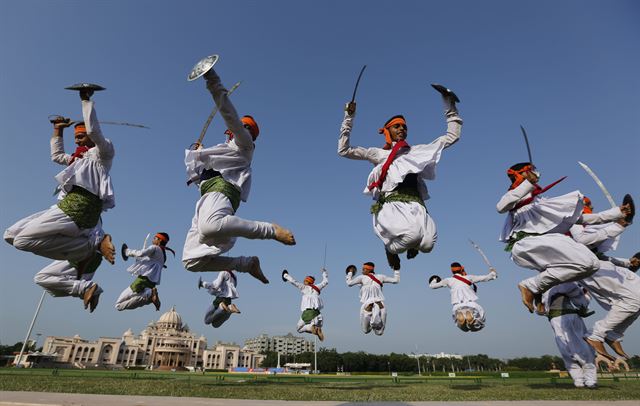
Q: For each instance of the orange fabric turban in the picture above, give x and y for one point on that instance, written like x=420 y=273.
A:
x=385 y=130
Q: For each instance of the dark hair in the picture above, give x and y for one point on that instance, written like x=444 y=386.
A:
x=455 y=264
x=166 y=236
x=371 y=264
x=517 y=167
x=393 y=118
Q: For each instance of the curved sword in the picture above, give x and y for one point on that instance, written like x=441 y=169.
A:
x=144 y=245
x=526 y=141
x=484 y=257
x=353 y=98
x=213 y=113
x=599 y=183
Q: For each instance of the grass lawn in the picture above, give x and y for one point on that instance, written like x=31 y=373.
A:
x=523 y=386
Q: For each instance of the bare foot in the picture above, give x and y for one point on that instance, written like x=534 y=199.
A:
x=155 y=299
x=88 y=295
x=107 y=249
x=540 y=309
x=283 y=235
x=598 y=346
x=617 y=347
x=527 y=297
x=459 y=319
x=468 y=316
x=319 y=333
x=225 y=307
x=234 y=309
x=393 y=260
x=255 y=271
x=94 y=302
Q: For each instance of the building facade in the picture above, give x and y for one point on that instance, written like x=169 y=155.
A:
x=288 y=344
x=165 y=344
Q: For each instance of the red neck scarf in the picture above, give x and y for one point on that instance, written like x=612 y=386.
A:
x=385 y=167
x=537 y=191
x=80 y=151
x=314 y=287
x=373 y=278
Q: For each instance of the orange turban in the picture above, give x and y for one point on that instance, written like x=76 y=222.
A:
x=457 y=269
x=254 y=129
x=587 y=208
x=80 y=129
x=368 y=267
x=517 y=175
x=385 y=130
x=309 y=280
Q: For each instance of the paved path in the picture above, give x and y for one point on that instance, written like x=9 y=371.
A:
x=79 y=399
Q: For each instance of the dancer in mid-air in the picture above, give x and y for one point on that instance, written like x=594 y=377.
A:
x=311 y=319
x=224 y=289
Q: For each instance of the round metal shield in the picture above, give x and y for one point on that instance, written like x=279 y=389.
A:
x=85 y=86
x=202 y=67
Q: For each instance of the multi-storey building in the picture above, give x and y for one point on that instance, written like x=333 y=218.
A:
x=288 y=344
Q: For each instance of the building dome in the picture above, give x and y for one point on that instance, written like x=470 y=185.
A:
x=170 y=319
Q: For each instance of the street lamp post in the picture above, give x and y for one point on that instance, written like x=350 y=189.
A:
x=26 y=339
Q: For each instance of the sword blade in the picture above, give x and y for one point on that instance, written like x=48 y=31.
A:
x=484 y=257
x=526 y=141
x=599 y=183
x=144 y=245
x=353 y=98
x=126 y=124
x=324 y=261
x=213 y=113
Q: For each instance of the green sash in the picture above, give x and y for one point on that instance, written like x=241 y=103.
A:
x=218 y=184
x=309 y=314
x=140 y=283
x=91 y=267
x=561 y=312
x=82 y=206
x=400 y=194
x=519 y=236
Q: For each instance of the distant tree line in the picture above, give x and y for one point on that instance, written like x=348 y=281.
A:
x=329 y=360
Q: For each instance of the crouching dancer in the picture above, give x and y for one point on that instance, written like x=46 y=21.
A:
x=224 y=290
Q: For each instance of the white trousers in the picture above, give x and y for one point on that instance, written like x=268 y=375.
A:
x=476 y=310
x=217 y=264
x=307 y=328
x=52 y=234
x=616 y=322
x=557 y=257
x=579 y=357
x=59 y=279
x=375 y=320
x=402 y=226
x=216 y=316
x=129 y=300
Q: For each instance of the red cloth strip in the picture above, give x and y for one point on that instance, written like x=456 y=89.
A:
x=385 y=167
x=537 y=191
x=373 y=278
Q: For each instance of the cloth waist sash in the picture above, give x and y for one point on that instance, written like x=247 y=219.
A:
x=141 y=283
x=309 y=314
x=219 y=300
x=400 y=194
x=218 y=184
x=82 y=206
x=91 y=267
x=519 y=236
x=560 y=312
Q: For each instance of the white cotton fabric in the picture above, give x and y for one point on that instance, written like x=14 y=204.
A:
x=310 y=298
x=401 y=226
x=129 y=300
x=60 y=279
x=224 y=285
x=460 y=291
x=92 y=171
x=149 y=263
x=216 y=316
x=371 y=291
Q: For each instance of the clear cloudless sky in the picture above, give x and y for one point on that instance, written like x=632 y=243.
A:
x=567 y=71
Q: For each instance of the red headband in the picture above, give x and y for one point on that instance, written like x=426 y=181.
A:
x=162 y=238
x=368 y=267
x=457 y=269
x=517 y=174
x=254 y=129
x=80 y=129
x=309 y=279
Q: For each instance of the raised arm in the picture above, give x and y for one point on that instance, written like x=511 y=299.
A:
x=57 y=144
x=454 y=128
x=325 y=280
x=147 y=252
x=438 y=284
x=94 y=132
x=510 y=199
x=484 y=278
x=373 y=155
x=292 y=281
x=390 y=279
x=353 y=281
x=220 y=94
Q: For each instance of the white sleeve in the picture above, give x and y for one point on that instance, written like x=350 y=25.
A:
x=294 y=282
x=437 y=285
x=390 y=279
x=325 y=280
x=605 y=216
x=353 y=281
x=510 y=199
x=147 y=252
x=454 y=128
x=372 y=155
x=57 y=151
x=482 y=278
x=242 y=137
x=94 y=132
x=592 y=236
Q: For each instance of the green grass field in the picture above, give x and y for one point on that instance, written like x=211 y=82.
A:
x=521 y=386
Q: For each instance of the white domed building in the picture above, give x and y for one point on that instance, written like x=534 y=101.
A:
x=164 y=344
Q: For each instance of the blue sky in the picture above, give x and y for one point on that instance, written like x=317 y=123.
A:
x=567 y=71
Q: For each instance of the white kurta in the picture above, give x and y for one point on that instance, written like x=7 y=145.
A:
x=225 y=285
x=214 y=227
x=149 y=263
x=569 y=331
x=555 y=255
x=53 y=234
x=401 y=225
x=463 y=297
x=310 y=300
x=371 y=294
